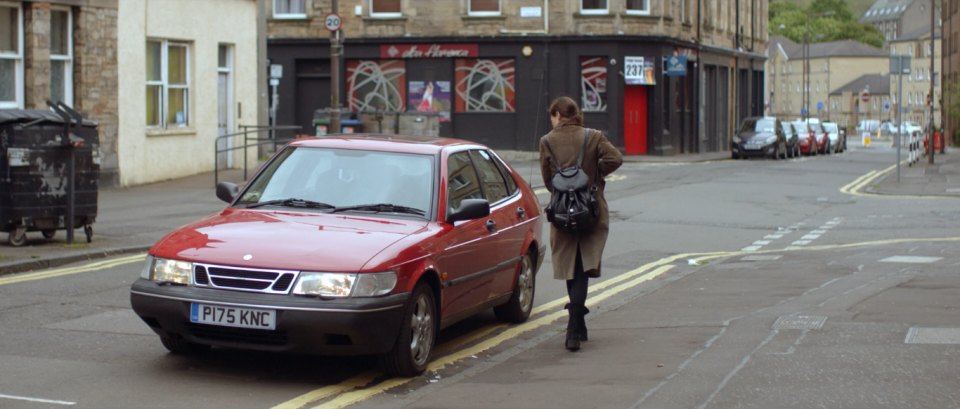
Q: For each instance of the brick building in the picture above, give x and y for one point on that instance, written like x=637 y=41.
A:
x=489 y=68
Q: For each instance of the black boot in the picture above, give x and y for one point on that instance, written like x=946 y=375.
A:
x=576 y=327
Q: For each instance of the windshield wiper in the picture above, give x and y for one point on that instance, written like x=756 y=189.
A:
x=381 y=207
x=292 y=202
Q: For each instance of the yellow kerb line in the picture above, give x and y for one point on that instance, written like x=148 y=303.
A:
x=100 y=265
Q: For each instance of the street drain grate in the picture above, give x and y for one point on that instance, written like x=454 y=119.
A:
x=800 y=322
x=917 y=335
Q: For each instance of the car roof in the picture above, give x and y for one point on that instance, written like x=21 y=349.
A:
x=386 y=142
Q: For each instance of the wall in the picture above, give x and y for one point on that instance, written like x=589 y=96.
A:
x=150 y=155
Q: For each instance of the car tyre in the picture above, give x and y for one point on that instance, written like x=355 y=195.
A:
x=48 y=233
x=17 y=237
x=518 y=309
x=411 y=352
x=180 y=346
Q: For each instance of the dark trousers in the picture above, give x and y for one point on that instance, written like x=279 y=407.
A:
x=577 y=287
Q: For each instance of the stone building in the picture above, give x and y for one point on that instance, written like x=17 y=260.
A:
x=916 y=85
x=950 y=63
x=162 y=78
x=659 y=76
x=894 y=18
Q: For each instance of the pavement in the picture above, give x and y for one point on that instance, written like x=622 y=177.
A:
x=131 y=220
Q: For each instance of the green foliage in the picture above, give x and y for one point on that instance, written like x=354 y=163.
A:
x=829 y=20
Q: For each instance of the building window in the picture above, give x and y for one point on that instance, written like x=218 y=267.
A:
x=289 y=9
x=483 y=7
x=593 y=84
x=11 y=57
x=61 y=55
x=385 y=8
x=640 y=7
x=484 y=85
x=593 y=7
x=168 y=84
x=376 y=85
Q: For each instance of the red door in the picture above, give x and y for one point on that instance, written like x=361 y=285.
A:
x=635 y=120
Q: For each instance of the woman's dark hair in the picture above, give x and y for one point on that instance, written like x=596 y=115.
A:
x=568 y=109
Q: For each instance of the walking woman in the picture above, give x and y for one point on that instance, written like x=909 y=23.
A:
x=576 y=256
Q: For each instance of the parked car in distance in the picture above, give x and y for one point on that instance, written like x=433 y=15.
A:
x=347 y=245
x=807 y=142
x=792 y=138
x=759 y=136
x=820 y=134
x=837 y=139
x=868 y=125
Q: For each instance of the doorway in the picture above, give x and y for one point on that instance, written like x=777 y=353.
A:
x=224 y=105
x=635 y=120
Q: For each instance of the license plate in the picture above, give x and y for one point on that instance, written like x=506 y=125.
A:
x=237 y=317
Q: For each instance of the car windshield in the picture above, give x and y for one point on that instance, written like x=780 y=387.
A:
x=831 y=127
x=758 y=125
x=345 y=180
x=801 y=126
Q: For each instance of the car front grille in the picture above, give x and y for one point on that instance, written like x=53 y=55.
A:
x=243 y=279
x=241 y=335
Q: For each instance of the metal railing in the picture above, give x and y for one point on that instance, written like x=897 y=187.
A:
x=252 y=135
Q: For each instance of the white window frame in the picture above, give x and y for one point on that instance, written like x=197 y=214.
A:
x=472 y=13
x=645 y=11
x=165 y=86
x=596 y=12
x=66 y=58
x=289 y=16
x=17 y=58
x=377 y=14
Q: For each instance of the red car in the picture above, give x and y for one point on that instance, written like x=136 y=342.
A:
x=808 y=140
x=367 y=244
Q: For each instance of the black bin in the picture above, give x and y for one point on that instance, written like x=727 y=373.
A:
x=39 y=151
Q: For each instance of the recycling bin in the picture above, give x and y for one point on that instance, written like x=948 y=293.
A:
x=49 y=173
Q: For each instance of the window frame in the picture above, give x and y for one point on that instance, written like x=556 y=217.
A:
x=289 y=16
x=384 y=14
x=17 y=58
x=645 y=11
x=165 y=86
x=66 y=58
x=484 y=13
x=595 y=11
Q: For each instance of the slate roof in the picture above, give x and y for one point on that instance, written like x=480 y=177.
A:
x=878 y=84
x=885 y=10
x=842 y=48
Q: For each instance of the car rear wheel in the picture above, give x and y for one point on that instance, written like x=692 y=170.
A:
x=518 y=309
x=411 y=352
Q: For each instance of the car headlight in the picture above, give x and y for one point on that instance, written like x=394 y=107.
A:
x=345 y=284
x=163 y=270
x=736 y=139
x=771 y=139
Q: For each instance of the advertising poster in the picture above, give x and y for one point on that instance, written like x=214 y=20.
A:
x=638 y=71
x=430 y=96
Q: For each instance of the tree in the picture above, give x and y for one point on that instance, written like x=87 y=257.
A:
x=830 y=20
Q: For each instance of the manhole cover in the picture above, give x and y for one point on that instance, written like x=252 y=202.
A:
x=917 y=335
x=800 y=322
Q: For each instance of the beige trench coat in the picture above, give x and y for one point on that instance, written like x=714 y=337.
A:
x=600 y=156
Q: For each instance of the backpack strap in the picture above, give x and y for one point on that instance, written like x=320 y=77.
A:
x=586 y=137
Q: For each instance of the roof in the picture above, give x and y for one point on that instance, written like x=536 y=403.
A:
x=842 y=48
x=918 y=33
x=783 y=45
x=384 y=142
x=885 y=10
x=878 y=84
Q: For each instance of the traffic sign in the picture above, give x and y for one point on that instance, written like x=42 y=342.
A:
x=803 y=112
x=332 y=22
x=886 y=106
x=865 y=97
x=819 y=105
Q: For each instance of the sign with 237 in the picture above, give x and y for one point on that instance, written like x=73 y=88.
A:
x=638 y=71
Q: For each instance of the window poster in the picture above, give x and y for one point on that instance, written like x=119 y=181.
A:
x=430 y=96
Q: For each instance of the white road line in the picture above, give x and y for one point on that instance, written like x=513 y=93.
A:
x=761 y=242
x=751 y=248
x=38 y=400
x=773 y=236
x=801 y=242
x=811 y=237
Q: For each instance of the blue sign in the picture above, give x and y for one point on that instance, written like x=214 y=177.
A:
x=819 y=105
x=886 y=106
x=676 y=65
x=803 y=112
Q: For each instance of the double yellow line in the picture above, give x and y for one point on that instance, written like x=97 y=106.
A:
x=364 y=386
x=100 y=265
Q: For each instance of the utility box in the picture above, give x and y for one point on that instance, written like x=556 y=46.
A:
x=41 y=153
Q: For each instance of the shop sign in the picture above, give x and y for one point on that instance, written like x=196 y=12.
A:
x=638 y=71
x=429 y=50
x=676 y=65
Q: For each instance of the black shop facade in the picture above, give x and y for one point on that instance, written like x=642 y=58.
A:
x=652 y=96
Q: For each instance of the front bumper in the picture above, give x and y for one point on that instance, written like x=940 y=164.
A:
x=742 y=149
x=351 y=326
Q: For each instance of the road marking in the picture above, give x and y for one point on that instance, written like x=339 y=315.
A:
x=100 y=265
x=919 y=335
x=911 y=259
x=853 y=188
x=38 y=400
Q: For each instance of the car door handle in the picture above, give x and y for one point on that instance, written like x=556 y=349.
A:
x=522 y=214
x=491 y=226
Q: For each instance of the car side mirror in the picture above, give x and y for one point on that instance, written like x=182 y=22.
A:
x=227 y=191
x=470 y=209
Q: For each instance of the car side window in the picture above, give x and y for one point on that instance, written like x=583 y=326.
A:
x=492 y=182
x=511 y=183
x=462 y=180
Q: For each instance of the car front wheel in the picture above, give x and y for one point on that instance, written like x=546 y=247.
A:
x=518 y=309
x=411 y=352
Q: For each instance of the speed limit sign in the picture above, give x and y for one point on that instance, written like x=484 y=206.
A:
x=332 y=22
